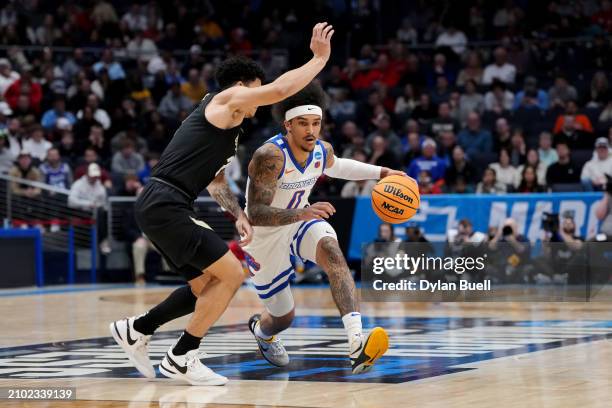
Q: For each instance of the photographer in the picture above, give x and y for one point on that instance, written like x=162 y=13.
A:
x=509 y=253
x=562 y=248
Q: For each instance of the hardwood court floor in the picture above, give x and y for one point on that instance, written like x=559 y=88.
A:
x=443 y=355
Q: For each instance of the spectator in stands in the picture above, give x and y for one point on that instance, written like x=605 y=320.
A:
x=406 y=102
x=426 y=184
x=36 y=144
x=579 y=121
x=472 y=71
x=412 y=147
x=342 y=108
x=443 y=122
x=561 y=92
x=381 y=154
x=428 y=161
x=174 y=102
x=531 y=97
x=25 y=196
x=91 y=156
x=6 y=155
x=152 y=160
x=384 y=129
x=448 y=141
x=593 y=176
x=506 y=173
x=112 y=68
x=128 y=160
x=563 y=171
x=518 y=148
x=453 y=38
x=489 y=183
x=99 y=142
x=529 y=181
x=50 y=117
x=425 y=110
x=499 y=99
x=7 y=75
x=441 y=93
x=25 y=87
x=99 y=114
x=547 y=154
x=503 y=135
x=573 y=134
x=600 y=89
x=194 y=88
x=459 y=167
x=141 y=48
x=470 y=101
x=88 y=194
x=500 y=69
x=533 y=160
x=54 y=171
x=473 y=138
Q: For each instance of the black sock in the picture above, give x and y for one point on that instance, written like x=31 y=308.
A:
x=181 y=302
x=186 y=342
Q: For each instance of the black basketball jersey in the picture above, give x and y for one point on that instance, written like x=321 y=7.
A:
x=197 y=152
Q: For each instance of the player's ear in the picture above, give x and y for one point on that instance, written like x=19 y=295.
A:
x=240 y=83
x=287 y=124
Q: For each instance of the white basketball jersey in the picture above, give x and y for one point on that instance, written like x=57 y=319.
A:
x=295 y=182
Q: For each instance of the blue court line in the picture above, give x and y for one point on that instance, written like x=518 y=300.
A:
x=47 y=291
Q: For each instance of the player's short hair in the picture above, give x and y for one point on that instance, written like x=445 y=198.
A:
x=236 y=69
x=312 y=94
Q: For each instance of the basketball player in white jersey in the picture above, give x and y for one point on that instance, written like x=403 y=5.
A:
x=282 y=173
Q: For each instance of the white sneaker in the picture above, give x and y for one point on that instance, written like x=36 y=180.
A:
x=188 y=367
x=272 y=350
x=135 y=345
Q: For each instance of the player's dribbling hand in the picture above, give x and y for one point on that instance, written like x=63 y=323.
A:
x=320 y=43
x=317 y=211
x=385 y=171
x=245 y=230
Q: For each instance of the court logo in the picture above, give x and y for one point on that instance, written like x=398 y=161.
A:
x=420 y=348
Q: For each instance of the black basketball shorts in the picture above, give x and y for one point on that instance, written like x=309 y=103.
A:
x=166 y=216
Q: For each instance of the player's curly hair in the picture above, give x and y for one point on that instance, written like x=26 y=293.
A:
x=312 y=94
x=235 y=69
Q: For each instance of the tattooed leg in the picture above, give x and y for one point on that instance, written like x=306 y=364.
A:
x=330 y=258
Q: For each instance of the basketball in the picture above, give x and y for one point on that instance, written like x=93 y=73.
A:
x=395 y=199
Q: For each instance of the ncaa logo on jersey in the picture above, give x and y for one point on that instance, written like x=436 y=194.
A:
x=317 y=155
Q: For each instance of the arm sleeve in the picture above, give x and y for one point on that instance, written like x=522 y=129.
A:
x=349 y=169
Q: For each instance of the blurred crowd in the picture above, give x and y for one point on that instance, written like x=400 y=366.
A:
x=466 y=97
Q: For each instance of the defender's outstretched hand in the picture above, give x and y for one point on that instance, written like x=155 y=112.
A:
x=320 y=43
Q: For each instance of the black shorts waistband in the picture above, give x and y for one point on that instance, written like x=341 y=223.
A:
x=174 y=186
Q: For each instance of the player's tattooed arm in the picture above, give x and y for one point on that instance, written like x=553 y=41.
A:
x=329 y=154
x=264 y=169
x=221 y=192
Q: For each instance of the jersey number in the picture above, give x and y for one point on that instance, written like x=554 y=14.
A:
x=296 y=199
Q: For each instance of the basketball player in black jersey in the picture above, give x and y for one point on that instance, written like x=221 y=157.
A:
x=194 y=160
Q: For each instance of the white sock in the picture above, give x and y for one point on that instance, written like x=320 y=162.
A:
x=352 y=325
x=259 y=333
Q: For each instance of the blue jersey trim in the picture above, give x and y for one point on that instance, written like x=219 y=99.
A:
x=276 y=279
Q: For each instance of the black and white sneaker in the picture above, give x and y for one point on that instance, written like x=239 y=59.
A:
x=134 y=343
x=271 y=349
x=189 y=368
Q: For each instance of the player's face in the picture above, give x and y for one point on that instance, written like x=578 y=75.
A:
x=252 y=84
x=304 y=131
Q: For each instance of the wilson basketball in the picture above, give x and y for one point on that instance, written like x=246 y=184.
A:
x=395 y=199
